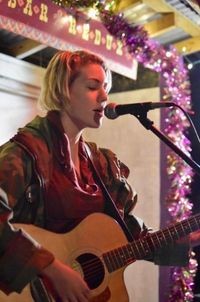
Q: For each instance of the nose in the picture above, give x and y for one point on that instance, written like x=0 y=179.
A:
x=103 y=95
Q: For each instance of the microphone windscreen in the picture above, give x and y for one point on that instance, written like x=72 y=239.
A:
x=110 y=111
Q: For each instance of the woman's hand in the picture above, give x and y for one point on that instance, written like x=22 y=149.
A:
x=66 y=283
x=194 y=238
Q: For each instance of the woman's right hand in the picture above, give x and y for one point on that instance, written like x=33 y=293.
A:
x=66 y=283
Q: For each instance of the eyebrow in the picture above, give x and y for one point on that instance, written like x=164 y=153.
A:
x=97 y=81
x=94 y=79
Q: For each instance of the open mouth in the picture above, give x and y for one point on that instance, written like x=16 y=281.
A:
x=99 y=110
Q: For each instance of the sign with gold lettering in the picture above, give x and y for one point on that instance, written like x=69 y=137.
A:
x=49 y=24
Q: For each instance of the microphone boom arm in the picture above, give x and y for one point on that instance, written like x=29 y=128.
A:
x=148 y=124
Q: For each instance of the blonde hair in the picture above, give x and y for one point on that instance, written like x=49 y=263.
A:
x=61 y=71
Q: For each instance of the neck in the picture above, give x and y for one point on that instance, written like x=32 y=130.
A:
x=73 y=134
x=71 y=129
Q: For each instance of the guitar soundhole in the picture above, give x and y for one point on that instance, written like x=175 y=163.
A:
x=92 y=268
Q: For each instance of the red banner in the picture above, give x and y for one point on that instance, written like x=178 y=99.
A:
x=47 y=23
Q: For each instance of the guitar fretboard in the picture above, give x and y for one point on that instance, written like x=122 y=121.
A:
x=144 y=248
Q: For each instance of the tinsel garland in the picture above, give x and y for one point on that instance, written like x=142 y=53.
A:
x=177 y=89
x=180 y=174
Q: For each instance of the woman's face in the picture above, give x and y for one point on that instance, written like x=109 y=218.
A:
x=88 y=97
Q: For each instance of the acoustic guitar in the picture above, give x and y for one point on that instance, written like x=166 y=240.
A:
x=98 y=249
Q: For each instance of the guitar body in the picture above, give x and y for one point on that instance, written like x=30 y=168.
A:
x=94 y=236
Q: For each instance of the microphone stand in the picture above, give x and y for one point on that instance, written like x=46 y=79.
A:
x=148 y=124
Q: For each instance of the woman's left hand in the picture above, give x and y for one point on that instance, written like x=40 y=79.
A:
x=194 y=239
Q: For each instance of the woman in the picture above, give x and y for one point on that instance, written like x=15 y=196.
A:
x=48 y=180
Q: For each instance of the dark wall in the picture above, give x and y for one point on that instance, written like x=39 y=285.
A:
x=146 y=78
x=195 y=195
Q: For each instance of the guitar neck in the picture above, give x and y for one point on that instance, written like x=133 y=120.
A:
x=144 y=248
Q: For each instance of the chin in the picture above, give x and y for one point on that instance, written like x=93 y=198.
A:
x=96 y=126
x=97 y=123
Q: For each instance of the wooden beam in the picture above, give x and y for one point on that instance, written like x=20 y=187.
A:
x=125 y=4
x=181 y=21
x=187 y=25
x=161 y=25
x=158 y=5
x=26 y=48
x=188 y=46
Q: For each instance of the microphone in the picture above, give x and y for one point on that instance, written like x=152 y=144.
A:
x=112 y=110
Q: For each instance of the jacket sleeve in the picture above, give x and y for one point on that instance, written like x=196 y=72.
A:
x=115 y=174
x=21 y=258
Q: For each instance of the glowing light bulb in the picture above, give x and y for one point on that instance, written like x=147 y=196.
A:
x=190 y=66
x=92 y=13
x=184 y=49
x=64 y=19
x=168 y=54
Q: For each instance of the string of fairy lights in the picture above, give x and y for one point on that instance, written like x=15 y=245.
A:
x=170 y=64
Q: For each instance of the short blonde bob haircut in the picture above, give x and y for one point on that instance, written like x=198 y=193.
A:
x=61 y=71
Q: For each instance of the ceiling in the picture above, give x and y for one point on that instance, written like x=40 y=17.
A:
x=174 y=22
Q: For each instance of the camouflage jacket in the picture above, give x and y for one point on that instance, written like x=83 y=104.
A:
x=25 y=170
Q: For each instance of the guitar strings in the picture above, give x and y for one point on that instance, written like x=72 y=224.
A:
x=97 y=265
x=94 y=263
x=92 y=267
